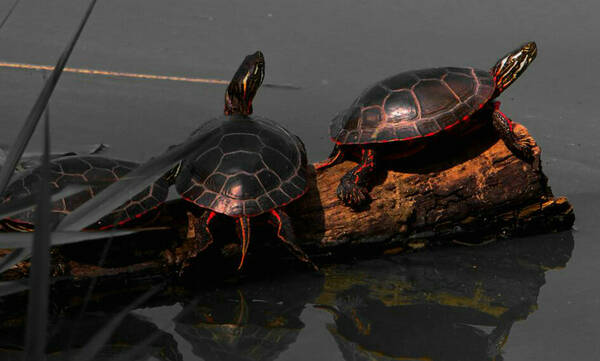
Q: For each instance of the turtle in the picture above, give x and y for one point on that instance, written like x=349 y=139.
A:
x=245 y=166
x=418 y=104
x=97 y=173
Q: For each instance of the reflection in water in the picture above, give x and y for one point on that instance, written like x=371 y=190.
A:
x=448 y=304
x=454 y=304
x=254 y=322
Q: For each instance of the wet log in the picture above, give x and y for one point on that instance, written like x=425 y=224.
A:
x=464 y=190
x=470 y=188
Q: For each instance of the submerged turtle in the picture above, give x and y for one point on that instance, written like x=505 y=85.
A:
x=95 y=172
x=418 y=104
x=248 y=165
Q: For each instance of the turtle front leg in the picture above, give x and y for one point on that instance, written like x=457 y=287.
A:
x=504 y=127
x=353 y=188
x=285 y=232
x=201 y=227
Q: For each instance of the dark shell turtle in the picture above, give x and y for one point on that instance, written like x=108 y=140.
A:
x=244 y=165
x=95 y=172
x=413 y=104
x=247 y=167
x=418 y=104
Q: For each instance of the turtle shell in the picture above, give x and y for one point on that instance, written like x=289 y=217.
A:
x=95 y=172
x=244 y=166
x=413 y=104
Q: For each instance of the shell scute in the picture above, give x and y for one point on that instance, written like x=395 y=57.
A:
x=242 y=187
x=371 y=117
x=421 y=103
x=428 y=127
x=233 y=142
x=462 y=85
x=434 y=97
x=268 y=179
x=206 y=198
x=96 y=172
x=400 y=106
x=215 y=182
x=240 y=161
x=262 y=167
x=373 y=96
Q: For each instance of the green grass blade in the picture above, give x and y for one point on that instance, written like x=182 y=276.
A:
x=37 y=311
x=94 y=345
x=10 y=287
x=26 y=132
x=120 y=192
x=12 y=240
x=23 y=204
x=9 y=13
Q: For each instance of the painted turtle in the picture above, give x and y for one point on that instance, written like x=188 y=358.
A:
x=418 y=104
x=95 y=172
x=248 y=165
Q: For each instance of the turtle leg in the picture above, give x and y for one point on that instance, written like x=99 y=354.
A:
x=504 y=127
x=198 y=239
x=201 y=227
x=244 y=234
x=352 y=189
x=335 y=157
x=285 y=232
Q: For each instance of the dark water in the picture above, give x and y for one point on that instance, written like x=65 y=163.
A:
x=441 y=306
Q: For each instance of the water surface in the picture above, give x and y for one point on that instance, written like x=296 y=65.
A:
x=333 y=50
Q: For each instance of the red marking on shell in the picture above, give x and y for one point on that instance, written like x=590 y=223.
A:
x=450 y=126
x=103 y=228
x=210 y=217
x=465 y=117
x=430 y=134
x=251 y=214
x=378 y=141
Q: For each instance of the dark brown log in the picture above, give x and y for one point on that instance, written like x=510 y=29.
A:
x=461 y=190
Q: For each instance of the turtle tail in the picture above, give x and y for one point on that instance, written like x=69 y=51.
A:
x=244 y=224
x=336 y=156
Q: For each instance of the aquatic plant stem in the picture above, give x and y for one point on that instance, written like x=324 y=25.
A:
x=37 y=311
x=18 y=147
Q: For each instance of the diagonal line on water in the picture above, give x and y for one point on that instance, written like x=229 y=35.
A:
x=119 y=74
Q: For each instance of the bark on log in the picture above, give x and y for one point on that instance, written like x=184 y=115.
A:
x=466 y=190
x=470 y=187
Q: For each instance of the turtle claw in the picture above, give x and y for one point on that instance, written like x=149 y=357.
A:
x=523 y=150
x=528 y=154
x=351 y=194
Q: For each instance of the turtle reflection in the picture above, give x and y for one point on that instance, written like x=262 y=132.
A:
x=257 y=321
x=455 y=304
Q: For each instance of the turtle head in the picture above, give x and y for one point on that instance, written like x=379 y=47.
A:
x=512 y=65
x=245 y=83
